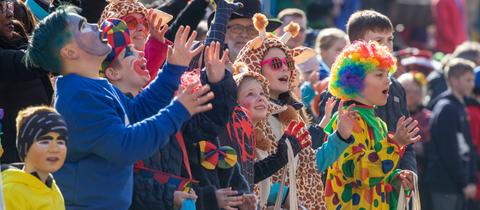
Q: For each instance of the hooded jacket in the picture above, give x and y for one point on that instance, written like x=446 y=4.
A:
x=24 y=191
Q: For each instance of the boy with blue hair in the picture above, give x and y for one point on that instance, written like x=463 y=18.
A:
x=109 y=132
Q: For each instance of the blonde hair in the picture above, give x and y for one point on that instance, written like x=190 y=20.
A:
x=327 y=37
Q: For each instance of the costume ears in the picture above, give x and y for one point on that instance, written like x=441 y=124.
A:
x=302 y=54
x=260 y=23
x=291 y=30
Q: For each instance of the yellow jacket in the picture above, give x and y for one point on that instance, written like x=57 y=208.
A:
x=24 y=191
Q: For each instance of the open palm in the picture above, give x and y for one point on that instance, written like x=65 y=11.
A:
x=180 y=54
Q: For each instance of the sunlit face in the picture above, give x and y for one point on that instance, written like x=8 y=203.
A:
x=252 y=97
x=6 y=19
x=464 y=84
x=299 y=40
x=279 y=78
x=138 y=27
x=329 y=55
x=375 y=89
x=382 y=37
x=47 y=153
x=239 y=32
x=413 y=94
x=133 y=68
x=87 y=36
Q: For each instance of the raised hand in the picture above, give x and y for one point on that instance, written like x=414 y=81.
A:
x=328 y=112
x=299 y=139
x=196 y=101
x=346 y=120
x=228 y=199
x=407 y=131
x=180 y=54
x=157 y=30
x=214 y=64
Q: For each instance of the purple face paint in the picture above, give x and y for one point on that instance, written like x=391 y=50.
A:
x=87 y=36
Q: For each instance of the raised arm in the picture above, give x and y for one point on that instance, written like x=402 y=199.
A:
x=161 y=91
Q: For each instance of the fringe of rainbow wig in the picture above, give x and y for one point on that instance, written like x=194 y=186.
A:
x=354 y=63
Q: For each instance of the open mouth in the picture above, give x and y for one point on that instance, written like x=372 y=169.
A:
x=140 y=67
x=53 y=159
x=283 y=79
x=260 y=107
x=385 y=91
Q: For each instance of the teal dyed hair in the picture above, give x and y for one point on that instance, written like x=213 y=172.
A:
x=50 y=35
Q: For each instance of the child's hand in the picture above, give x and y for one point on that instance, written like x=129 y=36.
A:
x=180 y=54
x=196 y=101
x=406 y=179
x=328 y=112
x=345 y=121
x=156 y=29
x=180 y=196
x=214 y=64
x=228 y=199
x=250 y=202
x=298 y=138
x=407 y=131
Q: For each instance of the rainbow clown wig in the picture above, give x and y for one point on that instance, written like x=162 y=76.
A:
x=354 y=63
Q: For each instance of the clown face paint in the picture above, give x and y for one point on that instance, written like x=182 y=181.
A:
x=47 y=154
x=133 y=68
x=87 y=36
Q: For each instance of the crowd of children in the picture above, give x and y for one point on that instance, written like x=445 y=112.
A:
x=241 y=119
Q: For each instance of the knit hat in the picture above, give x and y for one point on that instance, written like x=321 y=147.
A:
x=115 y=31
x=121 y=8
x=354 y=63
x=37 y=125
x=255 y=50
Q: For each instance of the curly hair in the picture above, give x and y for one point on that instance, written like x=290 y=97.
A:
x=354 y=63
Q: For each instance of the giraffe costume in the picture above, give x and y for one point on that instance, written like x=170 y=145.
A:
x=121 y=8
x=308 y=179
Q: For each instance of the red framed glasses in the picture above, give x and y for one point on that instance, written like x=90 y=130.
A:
x=132 y=22
x=277 y=63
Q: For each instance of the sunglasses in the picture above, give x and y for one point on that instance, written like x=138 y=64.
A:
x=6 y=7
x=133 y=22
x=276 y=63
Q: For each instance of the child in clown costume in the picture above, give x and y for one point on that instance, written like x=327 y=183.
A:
x=357 y=180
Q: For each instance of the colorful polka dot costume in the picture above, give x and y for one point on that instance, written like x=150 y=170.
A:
x=357 y=180
x=354 y=63
x=115 y=31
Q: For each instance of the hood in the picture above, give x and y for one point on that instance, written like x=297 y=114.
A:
x=16 y=176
